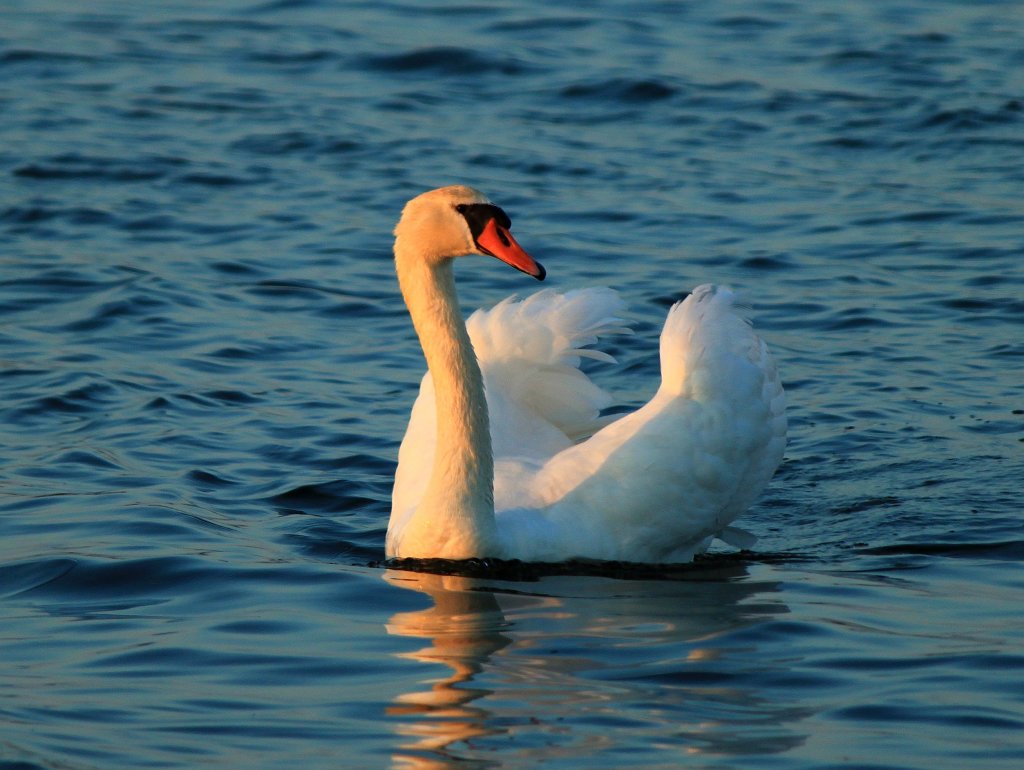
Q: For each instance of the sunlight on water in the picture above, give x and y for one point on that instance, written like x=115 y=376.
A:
x=206 y=369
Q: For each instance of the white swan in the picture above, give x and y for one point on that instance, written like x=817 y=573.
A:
x=505 y=455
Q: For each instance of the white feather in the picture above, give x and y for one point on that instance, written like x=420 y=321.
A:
x=538 y=400
x=654 y=485
x=658 y=483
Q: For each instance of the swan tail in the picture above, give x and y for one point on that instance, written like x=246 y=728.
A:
x=711 y=355
x=703 y=326
x=738 y=538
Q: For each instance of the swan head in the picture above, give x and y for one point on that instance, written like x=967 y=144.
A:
x=457 y=221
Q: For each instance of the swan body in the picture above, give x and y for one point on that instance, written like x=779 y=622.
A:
x=506 y=454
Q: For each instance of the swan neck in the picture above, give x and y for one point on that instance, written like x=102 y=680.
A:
x=460 y=494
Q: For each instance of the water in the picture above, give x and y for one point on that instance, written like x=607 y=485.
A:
x=207 y=370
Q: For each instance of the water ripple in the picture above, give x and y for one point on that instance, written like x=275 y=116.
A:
x=445 y=60
x=206 y=369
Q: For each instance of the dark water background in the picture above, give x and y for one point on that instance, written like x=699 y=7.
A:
x=205 y=371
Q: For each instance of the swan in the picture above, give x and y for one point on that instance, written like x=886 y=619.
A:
x=506 y=455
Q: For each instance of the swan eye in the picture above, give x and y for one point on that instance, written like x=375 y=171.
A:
x=477 y=216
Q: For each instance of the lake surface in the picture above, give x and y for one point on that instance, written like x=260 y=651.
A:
x=206 y=369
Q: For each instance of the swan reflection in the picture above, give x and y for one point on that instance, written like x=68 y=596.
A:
x=464 y=627
x=569 y=667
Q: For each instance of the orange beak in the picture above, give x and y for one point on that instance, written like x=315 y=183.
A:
x=498 y=242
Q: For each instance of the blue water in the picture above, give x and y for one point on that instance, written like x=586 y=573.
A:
x=206 y=368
